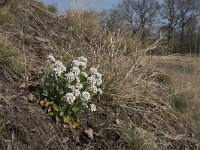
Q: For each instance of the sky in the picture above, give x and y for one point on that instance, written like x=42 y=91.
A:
x=63 y=5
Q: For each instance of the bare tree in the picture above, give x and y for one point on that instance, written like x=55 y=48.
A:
x=145 y=11
x=188 y=10
x=170 y=16
x=138 y=14
x=190 y=37
x=179 y=15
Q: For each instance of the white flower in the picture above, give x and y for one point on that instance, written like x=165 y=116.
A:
x=83 y=65
x=76 y=71
x=94 y=89
x=79 y=86
x=91 y=80
x=76 y=92
x=69 y=97
x=93 y=107
x=59 y=63
x=76 y=63
x=57 y=71
x=82 y=59
x=84 y=74
x=59 y=68
x=85 y=96
x=78 y=80
x=93 y=70
x=71 y=87
x=82 y=62
x=51 y=58
x=100 y=91
x=98 y=75
x=98 y=81
x=70 y=76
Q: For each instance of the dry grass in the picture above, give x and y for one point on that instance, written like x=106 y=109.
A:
x=10 y=60
x=128 y=82
x=15 y=64
x=184 y=72
x=80 y=24
x=129 y=85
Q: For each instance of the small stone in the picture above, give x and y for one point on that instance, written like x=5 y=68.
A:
x=23 y=97
x=117 y=121
x=89 y=132
x=65 y=140
x=41 y=39
x=31 y=97
x=23 y=85
x=78 y=148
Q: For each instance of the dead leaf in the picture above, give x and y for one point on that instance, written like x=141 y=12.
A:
x=31 y=97
x=90 y=134
x=57 y=119
x=66 y=126
x=117 y=121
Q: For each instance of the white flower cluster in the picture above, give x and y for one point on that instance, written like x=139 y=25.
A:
x=77 y=91
x=70 y=98
x=59 y=68
x=93 y=107
x=70 y=77
x=85 y=96
x=80 y=62
x=51 y=58
x=80 y=84
x=95 y=80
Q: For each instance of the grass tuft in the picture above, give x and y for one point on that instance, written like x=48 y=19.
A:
x=180 y=102
x=11 y=63
x=52 y=8
x=84 y=25
x=139 y=139
x=6 y=18
x=163 y=78
x=8 y=55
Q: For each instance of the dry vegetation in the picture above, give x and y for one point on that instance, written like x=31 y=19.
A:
x=135 y=111
x=184 y=72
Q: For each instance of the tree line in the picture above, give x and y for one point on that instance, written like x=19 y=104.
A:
x=177 y=21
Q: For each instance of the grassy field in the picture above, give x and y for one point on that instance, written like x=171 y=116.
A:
x=183 y=70
x=184 y=74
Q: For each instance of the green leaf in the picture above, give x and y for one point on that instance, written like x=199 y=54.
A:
x=77 y=107
x=51 y=113
x=66 y=119
x=61 y=113
x=62 y=92
x=47 y=104
x=44 y=94
x=55 y=107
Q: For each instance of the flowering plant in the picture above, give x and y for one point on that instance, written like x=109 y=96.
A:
x=65 y=91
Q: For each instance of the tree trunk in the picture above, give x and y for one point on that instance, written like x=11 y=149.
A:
x=181 y=39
